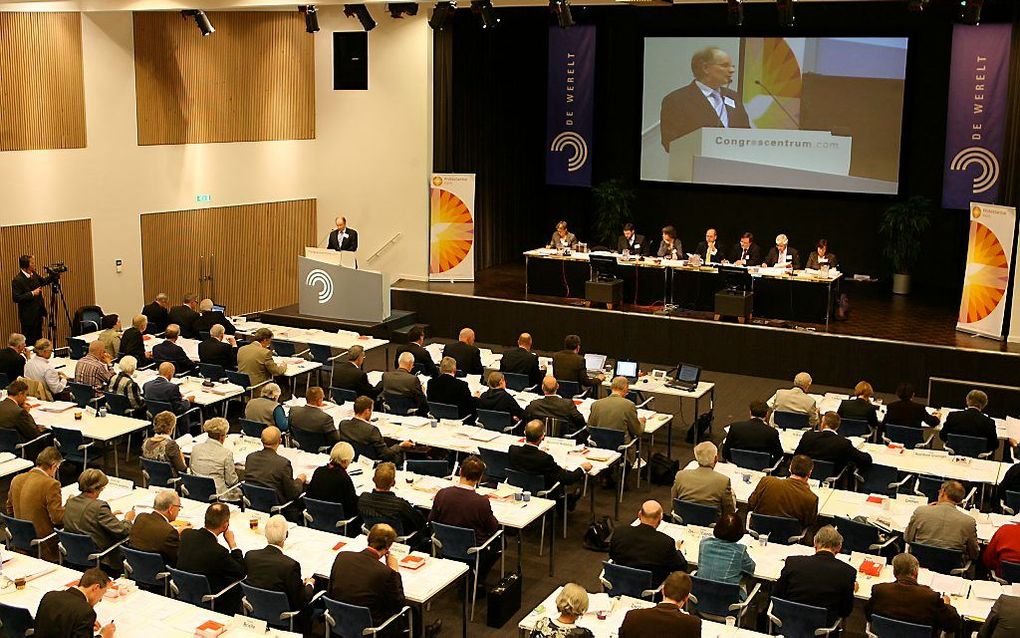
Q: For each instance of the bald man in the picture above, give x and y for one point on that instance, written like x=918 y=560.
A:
x=645 y=547
x=706 y=102
x=554 y=407
x=521 y=360
x=94 y=369
x=343 y=237
x=465 y=353
x=269 y=469
x=163 y=389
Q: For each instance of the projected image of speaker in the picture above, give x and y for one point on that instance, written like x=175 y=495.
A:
x=350 y=61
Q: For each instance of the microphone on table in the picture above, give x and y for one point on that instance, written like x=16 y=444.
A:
x=778 y=103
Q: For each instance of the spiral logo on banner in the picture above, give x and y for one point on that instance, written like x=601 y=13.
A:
x=569 y=140
x=986 y=161
x=320 y=277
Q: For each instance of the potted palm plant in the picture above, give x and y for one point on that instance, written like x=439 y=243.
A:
x=903 y=224
x=613 y=201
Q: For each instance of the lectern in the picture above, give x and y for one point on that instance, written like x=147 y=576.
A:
x=335 y=291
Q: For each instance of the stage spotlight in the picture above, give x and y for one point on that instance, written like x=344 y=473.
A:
x=917 y=6
x=201 y=20
x=311 y=18
x=360 y=12
x=442 y=13
x=735 y=12
x=486 y=11
x=562 y=10
x=401 y=9
x=785 y=9
x=970 y=11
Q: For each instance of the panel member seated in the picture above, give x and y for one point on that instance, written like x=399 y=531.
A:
x=670 y=247
x=821 y=580
x=702 y=484
x=706 y=102
x=561 y=237
x=521 y=360
x=745 y=252
x=381 y=502
x=360 y=431
x=631 y=242
x=668 y=618
x=782 y=255
x=821 y=256
x=790 y=497
x=796 y=399
x=709 y=249
x=132 y=342
x=911 y=602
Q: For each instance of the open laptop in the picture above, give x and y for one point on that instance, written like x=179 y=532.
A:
x=627 y=369
x=217 y=308
x=594 y=363
x=686 y=377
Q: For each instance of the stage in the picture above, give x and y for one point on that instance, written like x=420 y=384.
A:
x=887 y=339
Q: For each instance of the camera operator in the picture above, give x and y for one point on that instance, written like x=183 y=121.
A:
x=26 y=290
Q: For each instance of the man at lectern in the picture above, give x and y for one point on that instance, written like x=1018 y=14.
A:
x=704 y=102
x=342 y=237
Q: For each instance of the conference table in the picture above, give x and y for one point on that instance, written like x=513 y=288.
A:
x=340 y=340
x=779 y=293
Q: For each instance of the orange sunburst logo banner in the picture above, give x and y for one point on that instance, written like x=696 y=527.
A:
x=452 y=231
x=986 y=279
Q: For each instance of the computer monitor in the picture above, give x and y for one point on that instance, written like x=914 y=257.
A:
x=735 y=278
x=686 y=373
x=222 y=309
x=603 y=267
x=594 y=362
x=628 y=369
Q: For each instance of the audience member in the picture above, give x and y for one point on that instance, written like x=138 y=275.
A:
x=360 y=432
x=14 y=357
x=256 y=358
x=460 y=505
x=110 y=335
x=790 y=497
x=185 y=316
x=974 y=422
x=94 y=369
x=168 y=350
x=123 y=383
x=667 y=618
x=14 y=414
x=313 y=419
x=35 y=496
x=721 y=557
x=532 y=459
x=755 y=434
x=153 y=532
x=465 y=353
x=269 y=469
x=86 y=513
x=908 y=601
x=416 y=346
x=796 y=399
x=202 y=553
x=69 y=613
x=448 y=389
x=332 y=483
x=1003 y=547
x=1003 y=620
x=401 y=382
x=569 y=365
x=908 y=412
x=382 y=504
x=521 y=360
x=351 y=375
x=266 y=407
x=40 y=368
x=161 y=446
x=643 y=546
x=826 y=444
x=553 y=406
x=702 y=484
x=371 y=578
x=218 y=349
x=132 y=342
x=270 y=568
x=821 y=580
x=157 y=313
x=497 y=399
x=944 y=524
x=209 y=318
x=210 y=457
x=617 y=412
x=163 y=390
x=860 y=406
x=571 y=603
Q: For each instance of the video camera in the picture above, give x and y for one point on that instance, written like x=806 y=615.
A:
x=57 y=269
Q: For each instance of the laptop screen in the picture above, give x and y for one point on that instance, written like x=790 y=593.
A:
x=222 y=309
x=627 y=369
x=594 y=362
x=688 y=373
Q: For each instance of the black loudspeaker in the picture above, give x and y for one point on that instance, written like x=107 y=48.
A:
x=350 y=61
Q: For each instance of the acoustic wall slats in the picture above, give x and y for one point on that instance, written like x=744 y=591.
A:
x=42 y=86
x=250 y=251
x=252 y=80
x=69 y=242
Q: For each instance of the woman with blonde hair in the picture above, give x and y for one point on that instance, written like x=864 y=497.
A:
x=860 y=407
x=571 y=603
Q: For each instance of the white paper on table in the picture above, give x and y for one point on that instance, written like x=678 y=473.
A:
x=949 y=585
x=925 y=576
x=987 y=589
x=599 y=602
x=57 y=406
x=1013 y=428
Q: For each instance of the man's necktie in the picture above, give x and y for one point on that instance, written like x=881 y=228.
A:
x=720 y=108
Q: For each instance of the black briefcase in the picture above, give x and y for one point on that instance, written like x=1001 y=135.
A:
x=504 y=601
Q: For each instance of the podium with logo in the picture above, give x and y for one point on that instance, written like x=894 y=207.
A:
x=328 y=289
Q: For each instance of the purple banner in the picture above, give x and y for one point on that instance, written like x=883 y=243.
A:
x=570 y=116
x=976 y=114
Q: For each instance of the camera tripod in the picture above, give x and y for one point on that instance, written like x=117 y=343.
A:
x=57 y=300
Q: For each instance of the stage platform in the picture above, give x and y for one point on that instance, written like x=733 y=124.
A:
x=887 y=338
x=290 y=316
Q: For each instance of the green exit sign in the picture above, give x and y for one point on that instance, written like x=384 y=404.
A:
x=203 y=198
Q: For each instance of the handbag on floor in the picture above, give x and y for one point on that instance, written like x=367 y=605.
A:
x=599 y=534
x=504 y=600
x=662 y=470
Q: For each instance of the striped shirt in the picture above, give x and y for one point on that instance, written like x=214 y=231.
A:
x=93 y=372
x=723 y=561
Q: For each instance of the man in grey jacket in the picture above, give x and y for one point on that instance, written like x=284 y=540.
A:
x=210 y=458
x=401 y=382
x=943 y=524
x=269 y=469
x=796 y=399
x=87 y=514
x=313 y=419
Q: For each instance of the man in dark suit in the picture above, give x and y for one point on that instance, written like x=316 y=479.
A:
x=217 y=349
x=14 y=414
x=166 y=391
x=643 y=546
x=342 y=237
x=416 y=346
x=553 y=406
x=668 y=617
x=1003 y=620
x=908 y=412
x=12 y=358
x=360 y=432
x=632 y=242
x=974 y=422
x=709 y=250
x=157 y=313
x=908 y=601
x=782 y=255
x=568 y=364
x=351 y=375
x=531 y=458
x=184 y=316
x=69 y=613
x=521 y=360
x=860 y=407
x=270 y=568
x=268 y=469
x=152 y=531
x=401 y=382
x=209 y=318
x=465 y=353
x=201 y=553
x=746 y=252
x=497 y=399
x=313 y=419
x=447 y=388
x=26 y=291
x=755 y=434
x=826 y=444
x=363 y=579
x=381 y=502
x=168 y=350
x=132 y=342
x=706 y=101
x=821 y=580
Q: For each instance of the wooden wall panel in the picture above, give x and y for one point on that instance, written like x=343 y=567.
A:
x=249 y=250
x=67 y=241
x=42 y=86
x=252 y=80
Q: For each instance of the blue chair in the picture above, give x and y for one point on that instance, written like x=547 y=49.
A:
x=780 y=529
x=444 y=411
x=309 y=441
x=929 y=487
x=791 y=420
x=855 y=427
x=157 y=473
x=194 y=588
x=353 y=621
x=362 y=449
x=370 y=519
x=797 y=620
x=620 y=580
x=939 y=559
x=262 y=499
x=252 y=428
x=863 y=537
x=689 y=513
x=908 y=437
x=880 y=479
x=21 y=535
x=15 y=622
x=571 y=390
x=326 y=516
x=288 y=349
x=883 y=627
x=212 y=371
x=715 y=600
x=496 y=463
x=202 y=488
x=118 y=404
x=324 y=354
x=972 y=446
x=1011 y=502
x=186 y=421
x=616 y=440
x=825 y=472
x=242 y=379
x=1010 y=572
x=535 y=483
x=77 y=347
x=518 y=382
x=494 y=420
x=270 y=606
x=147 y=568
x=460 y=544
x=79 y=550
x=342 y=395
x=754 y=460
x=400 y=404
x=10 y=441
x=84 y=395
x=428 y=467
x=72 y=445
